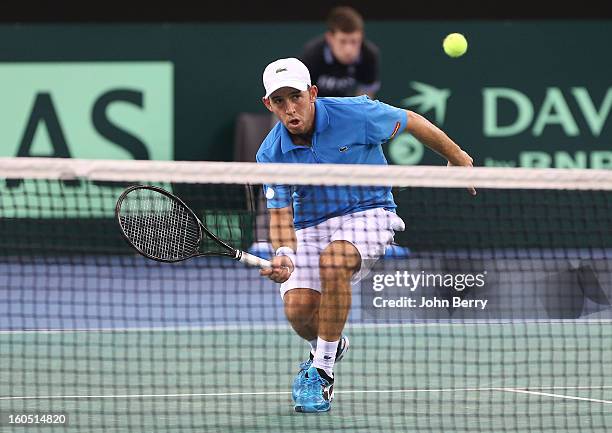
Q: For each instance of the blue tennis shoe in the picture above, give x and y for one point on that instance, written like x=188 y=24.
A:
x=315 y=393
x=343 y=346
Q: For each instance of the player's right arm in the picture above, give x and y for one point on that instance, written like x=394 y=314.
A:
x=279 y=204
x=282 y=233
x=284 y=242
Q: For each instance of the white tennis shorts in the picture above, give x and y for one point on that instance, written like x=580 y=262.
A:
x=370 y=231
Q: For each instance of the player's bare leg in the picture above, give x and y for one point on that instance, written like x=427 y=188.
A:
x=302 y=311
x=337 y=264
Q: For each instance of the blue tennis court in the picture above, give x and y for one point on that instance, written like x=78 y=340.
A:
x=125 y=344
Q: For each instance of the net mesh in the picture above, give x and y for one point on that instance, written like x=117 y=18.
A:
x=488 y=313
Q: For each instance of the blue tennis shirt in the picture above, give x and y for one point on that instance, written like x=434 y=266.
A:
x=347 y=131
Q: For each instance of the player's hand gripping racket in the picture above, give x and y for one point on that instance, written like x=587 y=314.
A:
x=160 y=226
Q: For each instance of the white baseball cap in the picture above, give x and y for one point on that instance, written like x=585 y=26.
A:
x=285 y=73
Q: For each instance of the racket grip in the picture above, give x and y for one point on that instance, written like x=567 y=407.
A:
x=252 y=260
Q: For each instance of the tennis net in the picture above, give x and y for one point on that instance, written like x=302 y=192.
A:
x=487 y=313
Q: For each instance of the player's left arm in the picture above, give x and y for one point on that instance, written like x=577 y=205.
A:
x=383 y=121
x=434 y=138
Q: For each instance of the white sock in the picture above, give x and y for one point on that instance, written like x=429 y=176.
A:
x=313 y=345
x=325 y=356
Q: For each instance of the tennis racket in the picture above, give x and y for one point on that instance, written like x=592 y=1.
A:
x=160 y=226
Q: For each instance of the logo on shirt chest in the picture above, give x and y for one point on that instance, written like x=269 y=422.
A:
x=343 y=149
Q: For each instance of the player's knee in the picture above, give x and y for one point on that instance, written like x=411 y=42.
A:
x=301 y=306
x=340 y=260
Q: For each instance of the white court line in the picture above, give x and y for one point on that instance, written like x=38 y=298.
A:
x=212 y=394
x=547 y=394
x=350 y=391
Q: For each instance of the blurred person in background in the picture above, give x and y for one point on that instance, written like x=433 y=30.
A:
x=342 y=62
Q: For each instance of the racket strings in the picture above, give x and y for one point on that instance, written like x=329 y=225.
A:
x=159 y=226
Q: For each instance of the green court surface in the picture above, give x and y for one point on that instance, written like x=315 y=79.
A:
x=484 y=377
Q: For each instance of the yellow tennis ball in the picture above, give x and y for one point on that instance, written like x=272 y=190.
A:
x=455 y=44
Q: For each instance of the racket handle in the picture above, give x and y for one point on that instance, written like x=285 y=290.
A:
x=252 y=260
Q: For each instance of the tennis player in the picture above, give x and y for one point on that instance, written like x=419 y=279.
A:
x=326 y=238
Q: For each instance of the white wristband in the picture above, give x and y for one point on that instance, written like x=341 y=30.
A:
x=286 y=251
